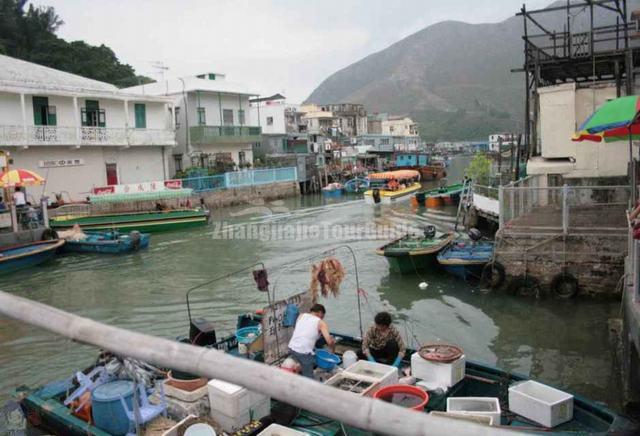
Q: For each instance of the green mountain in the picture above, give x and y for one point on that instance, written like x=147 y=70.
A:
x=453 y=78
x=29 y=34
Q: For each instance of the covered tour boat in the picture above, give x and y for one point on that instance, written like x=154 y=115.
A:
x=414 y=252
x=391 y=186
x=147 y=222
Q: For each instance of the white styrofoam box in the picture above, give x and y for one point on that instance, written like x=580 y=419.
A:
x=477 y=406
x=371 y=387
x=232 y=400
x=281 y=430
x=541 y=403
x=234 y=423
x=188 y=396
x=437 y=374
x=384 y=374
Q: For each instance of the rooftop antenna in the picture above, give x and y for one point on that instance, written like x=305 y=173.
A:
x=159 y=68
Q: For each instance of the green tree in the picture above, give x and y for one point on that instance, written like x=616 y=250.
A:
x=479 y=169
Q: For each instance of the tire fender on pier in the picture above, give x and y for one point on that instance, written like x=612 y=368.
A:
x=564 y=286
x=493 y=275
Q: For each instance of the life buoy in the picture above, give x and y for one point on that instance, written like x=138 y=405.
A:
x=526 y=286
x=492 y=275
x=49 y=234
x=564 y=286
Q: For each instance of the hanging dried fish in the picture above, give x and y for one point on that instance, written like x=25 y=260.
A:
x=326 y=277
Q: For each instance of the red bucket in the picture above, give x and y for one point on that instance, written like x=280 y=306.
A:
x=407 y=396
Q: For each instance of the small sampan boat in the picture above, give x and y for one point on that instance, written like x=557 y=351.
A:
x=107 y=242
x=17 y=257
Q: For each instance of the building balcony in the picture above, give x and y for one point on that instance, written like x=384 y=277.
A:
x=203 y=135
x=26 y=136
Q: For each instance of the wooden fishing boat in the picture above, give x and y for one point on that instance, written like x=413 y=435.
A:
x=465 y=259
x=414 y=252
x=44 y=408
x=445 y=195
x=356 y=185
x=146 y=222
x=392 y=186
x=22 y=256
x=108 y=243
x=333 y=190
x=422 y=162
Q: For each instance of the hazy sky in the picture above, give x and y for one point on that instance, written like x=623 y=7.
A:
x=286 y=46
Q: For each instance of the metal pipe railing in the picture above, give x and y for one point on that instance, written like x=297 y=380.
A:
x=365 y=413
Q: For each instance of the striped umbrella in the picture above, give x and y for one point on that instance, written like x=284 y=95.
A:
x=616 y=120
x=19 y=177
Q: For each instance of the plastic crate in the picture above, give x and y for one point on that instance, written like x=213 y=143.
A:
x=384 y=374
x=541 y=403
x=232 y=400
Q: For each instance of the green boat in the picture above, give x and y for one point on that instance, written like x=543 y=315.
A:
x=412 y=252
x=145 y=222
x=445 y=195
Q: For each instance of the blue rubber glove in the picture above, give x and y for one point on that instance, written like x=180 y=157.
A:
x=371 y=359
x=396 y=362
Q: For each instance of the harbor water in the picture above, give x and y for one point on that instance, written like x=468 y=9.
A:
x=564 y=343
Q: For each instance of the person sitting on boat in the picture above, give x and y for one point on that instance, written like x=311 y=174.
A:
x=382 y=343
x=393 y=184
x=309 y=327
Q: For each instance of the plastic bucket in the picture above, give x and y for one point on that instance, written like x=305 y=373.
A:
x=247 y=335
x=107 y=411
x=326 y=360
x=407 y=396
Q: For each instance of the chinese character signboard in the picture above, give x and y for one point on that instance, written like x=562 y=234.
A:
x=58 y=163
x=134 y=188
x=276 y=336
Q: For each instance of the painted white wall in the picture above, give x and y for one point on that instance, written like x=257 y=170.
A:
x=135 y=164
x=10 y=112
x=563 y=108
x=212 y=104
x=158 y=114
x=275 y=110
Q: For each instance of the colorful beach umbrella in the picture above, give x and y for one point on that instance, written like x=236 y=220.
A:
x=19 y=177
x=614 y=121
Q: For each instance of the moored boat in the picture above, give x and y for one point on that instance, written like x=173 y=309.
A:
x=392 y=186
x=333 y=190
x=414 y=252
x=146 y=222
x=22 y=256
x=445 y=195
x=357 y=184
x=107 y=242
x=466 y=259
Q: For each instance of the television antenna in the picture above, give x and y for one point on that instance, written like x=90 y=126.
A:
x=159 y=68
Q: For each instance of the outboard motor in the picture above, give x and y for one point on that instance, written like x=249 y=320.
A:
x=202 y=332
x=376 y=196
x=475 y=235
x=429 y=231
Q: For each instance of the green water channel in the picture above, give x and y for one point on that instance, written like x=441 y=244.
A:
x=564 y=343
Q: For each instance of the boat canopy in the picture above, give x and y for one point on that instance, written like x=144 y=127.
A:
x=167 y=194
x=399 y=175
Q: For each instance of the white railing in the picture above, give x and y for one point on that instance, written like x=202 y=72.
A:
x=18 y=135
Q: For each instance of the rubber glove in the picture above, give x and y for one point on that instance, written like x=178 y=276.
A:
x=371 y=359
x=396 y=362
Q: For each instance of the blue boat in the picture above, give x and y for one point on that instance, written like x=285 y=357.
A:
x=333 y=190
x=22 y=256
x=356 y=185
x=108 y=243
x=466 y=259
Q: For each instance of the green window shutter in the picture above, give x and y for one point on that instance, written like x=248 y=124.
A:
x=212 y=76
x=52 y=118
x=141 y=116
x=40 y=105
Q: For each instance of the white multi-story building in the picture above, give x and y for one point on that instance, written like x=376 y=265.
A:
x=212 y=120
x=503 y=141
x=80 y=133
x=399 y=126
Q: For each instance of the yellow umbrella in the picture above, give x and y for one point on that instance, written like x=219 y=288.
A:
x=20 y=177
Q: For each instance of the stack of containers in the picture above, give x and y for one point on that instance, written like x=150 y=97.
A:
x=233 y=406
x=385 y=375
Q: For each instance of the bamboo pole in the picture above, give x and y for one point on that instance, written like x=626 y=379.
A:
x=364 y=413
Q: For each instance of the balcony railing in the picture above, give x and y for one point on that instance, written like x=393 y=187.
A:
x=202 y=135
x=64 y=135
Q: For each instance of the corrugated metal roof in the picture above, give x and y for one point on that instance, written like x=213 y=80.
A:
x=17 y=72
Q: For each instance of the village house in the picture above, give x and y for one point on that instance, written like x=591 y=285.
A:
x=80 y=133
x=213 y=129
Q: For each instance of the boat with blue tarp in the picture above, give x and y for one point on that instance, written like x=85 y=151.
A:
x=18 y=257
x=356 y=185
x=465 y=258
x=107 y=242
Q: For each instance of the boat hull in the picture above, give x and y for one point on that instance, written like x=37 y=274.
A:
x=409 y=254
x=410 y=264
x=332 y=193
x=145 y=222
x=390 y=197
x=466 y=259
x=23 y=256
x=120 y=245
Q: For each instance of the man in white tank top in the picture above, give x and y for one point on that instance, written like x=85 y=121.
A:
x=309 y=327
